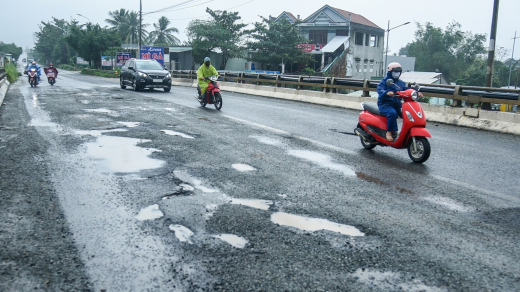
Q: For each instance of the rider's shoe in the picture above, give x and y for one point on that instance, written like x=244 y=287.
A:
x=389 y=136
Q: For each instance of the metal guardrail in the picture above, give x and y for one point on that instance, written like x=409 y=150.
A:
x=458 y=93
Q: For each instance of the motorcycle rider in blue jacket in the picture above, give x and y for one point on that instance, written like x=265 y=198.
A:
x=389 y=105
x=38 y=69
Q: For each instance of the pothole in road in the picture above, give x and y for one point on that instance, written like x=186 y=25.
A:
x=243 y=167
x=258 y=204
x=323 y=161
x=266 y=140
x=97 y=133
x=313 y=224
x=379 y=181
x=173 y=133
x=122 y=155
x=234 y=240
x=130 y=124
x=182 y=233
x=449 y=203
x=149 y=213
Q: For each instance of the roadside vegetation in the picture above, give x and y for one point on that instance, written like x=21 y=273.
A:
x=12 y=73
x=101 y=73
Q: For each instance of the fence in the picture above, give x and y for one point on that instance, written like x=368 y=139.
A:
x=471 y=94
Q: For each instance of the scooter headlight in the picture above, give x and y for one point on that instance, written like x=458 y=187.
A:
x=409 y=116
x=415 y=95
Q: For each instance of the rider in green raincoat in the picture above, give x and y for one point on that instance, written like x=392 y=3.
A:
x=205 y=70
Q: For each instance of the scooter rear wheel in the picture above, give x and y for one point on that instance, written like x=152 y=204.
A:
x=421 y=152
x=367 y=144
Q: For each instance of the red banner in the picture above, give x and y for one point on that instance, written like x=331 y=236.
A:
x=309 y=47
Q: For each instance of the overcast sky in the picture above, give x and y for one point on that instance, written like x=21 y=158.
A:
x=19 y=23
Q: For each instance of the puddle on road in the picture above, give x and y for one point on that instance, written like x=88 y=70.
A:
x=173 y=133
x=119 y=154
x=449 y=203
x=170 y=109
x=130 y=124
x=187 y=187
x=378 y=181
x=243 y=167
x=210 y=210
x=323 y=161
x=266 y=140
x=236 y=241
x=99 y=110
x=149 y=213
x=253 y=203
x=390 y=281
x=182 y=233
x=313 y=224
x=97 y=133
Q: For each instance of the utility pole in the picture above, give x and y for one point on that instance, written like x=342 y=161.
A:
x=491 y=53
x=511 y=61
x=140 y=24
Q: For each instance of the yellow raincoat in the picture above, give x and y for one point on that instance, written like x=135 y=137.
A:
x=204 y=72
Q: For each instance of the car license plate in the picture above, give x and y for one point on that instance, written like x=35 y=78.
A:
x=157 y=80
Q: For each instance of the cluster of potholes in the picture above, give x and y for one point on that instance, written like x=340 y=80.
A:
x=108 y=154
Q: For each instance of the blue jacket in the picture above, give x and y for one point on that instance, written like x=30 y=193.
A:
x=383 y=89
x=38 y=69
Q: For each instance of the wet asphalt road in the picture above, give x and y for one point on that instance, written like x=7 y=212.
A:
x=110 y=189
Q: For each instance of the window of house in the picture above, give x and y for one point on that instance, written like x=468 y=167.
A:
x=373 y=41
x=359 y=38
x=367 y=40
x=371 y=67
x=318 y=37
x=342 y=32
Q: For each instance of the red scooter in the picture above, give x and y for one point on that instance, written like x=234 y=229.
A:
x=212 y=94
x=413 y=136
x=33 y=77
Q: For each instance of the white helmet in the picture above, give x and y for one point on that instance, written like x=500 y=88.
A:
x=394 y=66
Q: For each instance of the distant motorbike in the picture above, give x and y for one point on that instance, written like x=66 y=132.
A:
x=212 y=94
x=51 y=75
x=33 y=77
x=372 y=126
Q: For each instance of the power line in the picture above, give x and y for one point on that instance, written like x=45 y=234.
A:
x=207 y=15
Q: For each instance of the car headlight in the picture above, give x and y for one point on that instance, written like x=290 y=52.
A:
x=168 y=75
x=143 y=74
x=415 y=95
x=409 y=115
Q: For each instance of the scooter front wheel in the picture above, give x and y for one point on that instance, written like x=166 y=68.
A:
x=218 y=101
x=419 y=149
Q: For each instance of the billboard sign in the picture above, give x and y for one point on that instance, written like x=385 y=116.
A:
x=81 y=61
x=106 y=61
x=122 y=58
x=155 y=53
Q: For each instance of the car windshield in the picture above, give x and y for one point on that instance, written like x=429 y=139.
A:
x=150 y=65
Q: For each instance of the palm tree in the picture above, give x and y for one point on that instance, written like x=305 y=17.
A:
x=127 y=24
x=162 y=34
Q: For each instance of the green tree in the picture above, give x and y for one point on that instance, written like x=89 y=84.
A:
x=221 y=32
x=91 y=41
x=163 y=34
x=449 y=51
x=274 y=41
x=50 y=41
x=11 y=49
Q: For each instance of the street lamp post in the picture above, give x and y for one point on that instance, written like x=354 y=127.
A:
x=511 y=61
x=388 y=36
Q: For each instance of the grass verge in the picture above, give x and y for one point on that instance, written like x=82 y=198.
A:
x=12 y=73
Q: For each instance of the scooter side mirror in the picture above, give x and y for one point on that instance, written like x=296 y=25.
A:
x=389 y=82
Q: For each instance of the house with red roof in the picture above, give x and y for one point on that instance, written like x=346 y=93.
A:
x=345 y=44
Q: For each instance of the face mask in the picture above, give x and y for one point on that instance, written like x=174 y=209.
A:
x=395 y=75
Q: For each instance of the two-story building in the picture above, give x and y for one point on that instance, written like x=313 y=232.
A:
x=345 y=44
